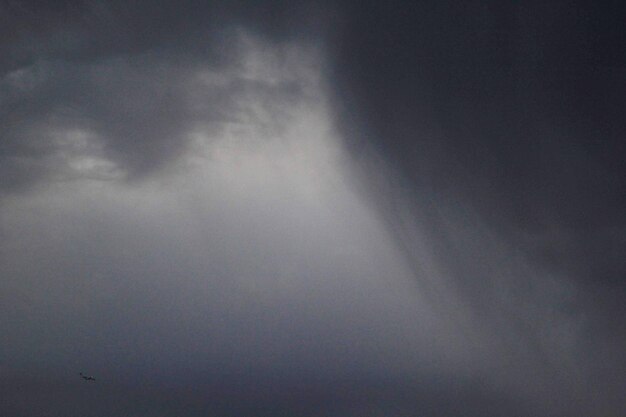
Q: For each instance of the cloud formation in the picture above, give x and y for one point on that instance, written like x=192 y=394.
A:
x=311 y=208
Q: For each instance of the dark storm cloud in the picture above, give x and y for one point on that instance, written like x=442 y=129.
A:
x=473 y=267
x=519 y=107
x=507 y=117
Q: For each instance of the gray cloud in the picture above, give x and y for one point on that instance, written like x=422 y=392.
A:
x=136 y=113
x=247 y=255
x=124 y=75
x=310 y=209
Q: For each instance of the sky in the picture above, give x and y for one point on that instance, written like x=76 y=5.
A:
x=312 y=208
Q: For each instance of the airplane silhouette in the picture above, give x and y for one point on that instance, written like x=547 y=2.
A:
x=87 y=378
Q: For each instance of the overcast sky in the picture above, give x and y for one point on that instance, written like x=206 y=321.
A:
x=302 y=208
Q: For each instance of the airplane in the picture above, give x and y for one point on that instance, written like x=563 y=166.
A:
x=87 y=378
